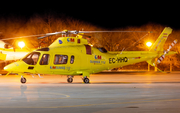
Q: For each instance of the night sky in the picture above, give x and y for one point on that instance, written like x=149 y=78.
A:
x=108 y=14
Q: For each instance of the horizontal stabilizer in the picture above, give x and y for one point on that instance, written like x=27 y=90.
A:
x=152 y=63
x=2 y=56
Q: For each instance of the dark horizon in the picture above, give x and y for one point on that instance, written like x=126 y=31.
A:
x=106 y=15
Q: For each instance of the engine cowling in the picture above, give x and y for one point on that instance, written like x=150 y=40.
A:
x=7 y=46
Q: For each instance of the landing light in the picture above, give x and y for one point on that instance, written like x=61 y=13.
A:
x=21 y=44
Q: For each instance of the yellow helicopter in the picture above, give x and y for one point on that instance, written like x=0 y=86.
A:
x=73 y=56
x=8 y=53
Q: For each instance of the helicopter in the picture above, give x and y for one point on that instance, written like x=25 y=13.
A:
x=73 y=56
x=9 y=53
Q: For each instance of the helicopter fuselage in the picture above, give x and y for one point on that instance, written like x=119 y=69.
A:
x=77 y=60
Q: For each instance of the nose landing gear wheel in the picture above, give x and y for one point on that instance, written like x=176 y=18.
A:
x=23 y=80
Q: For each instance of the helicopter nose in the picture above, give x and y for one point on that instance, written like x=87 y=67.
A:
x=16 y=67
x=10 y=67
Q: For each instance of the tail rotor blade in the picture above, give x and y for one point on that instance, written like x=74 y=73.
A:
x=161 y=58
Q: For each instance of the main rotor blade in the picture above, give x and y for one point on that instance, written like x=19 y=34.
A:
x=51 y=34
x=110 y=31
x=23 y=37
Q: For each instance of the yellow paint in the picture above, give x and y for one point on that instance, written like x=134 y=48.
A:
x=80 y=61
x=2 y=56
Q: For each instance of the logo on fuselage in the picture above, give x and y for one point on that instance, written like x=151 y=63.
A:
x=70 y=39
x=60 y=68
x=97 y=57
x=57 y=67
x=60 y=42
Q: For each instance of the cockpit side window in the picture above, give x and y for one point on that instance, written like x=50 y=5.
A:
x=31 y=58
x=44 y=59
x=60 y=59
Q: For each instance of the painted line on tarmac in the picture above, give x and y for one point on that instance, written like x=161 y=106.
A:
x=117 y=103
x=26 y=96
x=86 y=105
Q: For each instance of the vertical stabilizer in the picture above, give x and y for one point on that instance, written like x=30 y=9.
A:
x=2 y=44
x=158 y=45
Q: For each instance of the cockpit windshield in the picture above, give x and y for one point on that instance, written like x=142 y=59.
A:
x=31 y=58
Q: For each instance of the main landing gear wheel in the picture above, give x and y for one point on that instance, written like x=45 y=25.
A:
x=86 y=80
x=23 y=80
x=70 y=79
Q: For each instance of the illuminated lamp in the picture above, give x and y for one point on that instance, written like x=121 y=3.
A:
x=148 y=44
x=21 y=44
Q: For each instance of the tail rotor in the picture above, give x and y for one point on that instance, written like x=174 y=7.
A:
x=163 y=56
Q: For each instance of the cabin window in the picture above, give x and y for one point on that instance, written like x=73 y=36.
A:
x=60 y=59
x=72 y=59
x=31 y=58
x=44 y=59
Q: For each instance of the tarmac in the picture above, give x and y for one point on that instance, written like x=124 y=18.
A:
x=125 y=92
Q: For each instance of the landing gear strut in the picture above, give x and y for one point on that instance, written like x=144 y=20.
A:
x=23 y=80
x=70 y=79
